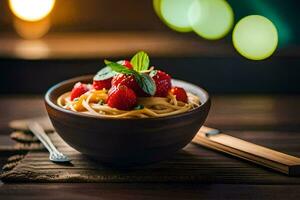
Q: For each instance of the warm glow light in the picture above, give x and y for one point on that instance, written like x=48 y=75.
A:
x=32 y=49
x=31 y=30
x=255 y=37
x=211 y=19
x=31 y=10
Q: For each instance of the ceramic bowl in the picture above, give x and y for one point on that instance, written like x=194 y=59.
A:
x=125 y=142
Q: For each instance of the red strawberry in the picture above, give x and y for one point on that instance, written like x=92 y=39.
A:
x=123 y=79
x=162 y=82
x=122 y=98
x=78 y=90
x=180 y=94
x=129 y=81
x=127 y=64
x=101 y=84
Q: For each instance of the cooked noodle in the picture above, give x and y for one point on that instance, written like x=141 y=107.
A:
x=92 y=103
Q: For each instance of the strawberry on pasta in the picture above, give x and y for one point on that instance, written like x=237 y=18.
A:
x=129 y=89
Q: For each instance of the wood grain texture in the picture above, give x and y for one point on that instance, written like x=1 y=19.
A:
x=149 y=191
x=253 y=118
x=238 y=112
x=220 y=141
x=193 y=164
x=208 y=137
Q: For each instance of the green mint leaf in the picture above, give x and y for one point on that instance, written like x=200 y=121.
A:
x=152 y=73
x=138 y=107
x=118 y=67
x=143 y=80
x=104 y=73
x=146 y=83
x=101 y=102
x=140 y=61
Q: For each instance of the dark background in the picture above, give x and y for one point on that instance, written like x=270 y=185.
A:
x=212 y=64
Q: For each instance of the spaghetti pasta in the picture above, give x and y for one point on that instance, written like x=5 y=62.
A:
x=93 y=103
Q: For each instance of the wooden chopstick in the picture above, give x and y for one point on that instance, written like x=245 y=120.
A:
x=214 y=139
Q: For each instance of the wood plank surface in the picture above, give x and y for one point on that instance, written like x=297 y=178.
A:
x=275 y=119
x=193 y=164
x=117 y=191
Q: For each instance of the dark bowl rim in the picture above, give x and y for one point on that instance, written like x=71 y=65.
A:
x=80 y=78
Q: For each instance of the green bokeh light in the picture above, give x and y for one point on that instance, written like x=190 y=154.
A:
x=175 y=14
x=211 y=19
x=281 y=13
x=156 y=6
x=255 y=37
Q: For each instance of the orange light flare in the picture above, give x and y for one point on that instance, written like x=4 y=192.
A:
x=32 y=19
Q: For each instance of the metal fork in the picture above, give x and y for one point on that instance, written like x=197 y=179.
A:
x=38 y=131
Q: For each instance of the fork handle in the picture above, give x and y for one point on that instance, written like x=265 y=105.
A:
x=39 y=132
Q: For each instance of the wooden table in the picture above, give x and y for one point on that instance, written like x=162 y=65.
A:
x=245 y=116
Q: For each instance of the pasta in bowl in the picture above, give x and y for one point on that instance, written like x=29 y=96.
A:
x=92 y=103
x=126 y=131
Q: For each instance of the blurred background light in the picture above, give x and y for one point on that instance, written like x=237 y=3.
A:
x=211 y=19
x=175 y=13
x=31 y=19
x=31 y=10
x=32 y=49
x=31 y=30
x=156 y=6
x=281 y=13
x=255 y=37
